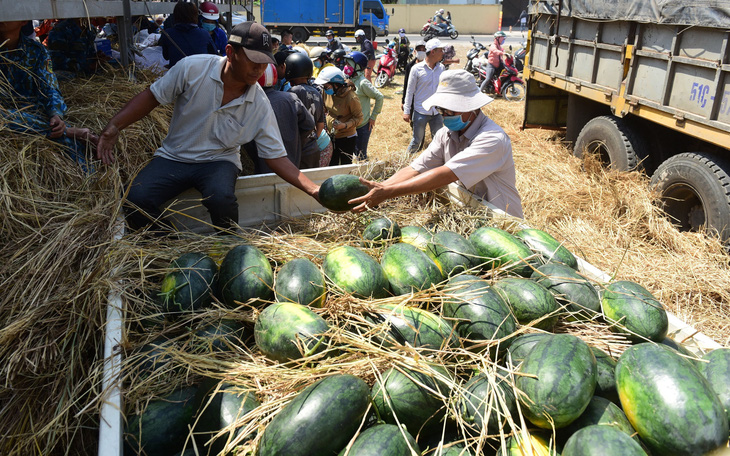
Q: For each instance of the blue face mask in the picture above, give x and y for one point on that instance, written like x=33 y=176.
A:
x=454 y=123
x=329 y=91
x=208 y=26
x=317 y=64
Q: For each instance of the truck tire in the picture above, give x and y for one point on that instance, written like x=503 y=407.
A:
x=695 y=192
x=615 y=140
x=299 y=35
x=370 y=33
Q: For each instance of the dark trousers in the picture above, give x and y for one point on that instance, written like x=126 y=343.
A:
x=363 y=137
x=343 y=151
x=163 y=179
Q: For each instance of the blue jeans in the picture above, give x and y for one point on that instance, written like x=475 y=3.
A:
x=363 y=137
x=163 y=179
x=419 y=129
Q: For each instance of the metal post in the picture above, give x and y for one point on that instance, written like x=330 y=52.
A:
x=125 y=33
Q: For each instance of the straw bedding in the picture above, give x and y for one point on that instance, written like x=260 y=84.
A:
x=57 y=263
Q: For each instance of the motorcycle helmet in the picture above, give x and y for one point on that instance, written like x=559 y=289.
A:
x=357 y=60
x=209 y=11
x=441 y=11
x=500 y=34
x=359 y=32
x=298 y=66
x=268 y=79
x=329 y=33
x=401 y=30
x=300 y=50
x=338 y=55
x=333 y=75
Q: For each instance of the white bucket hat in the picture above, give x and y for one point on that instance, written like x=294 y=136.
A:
x=458 y=92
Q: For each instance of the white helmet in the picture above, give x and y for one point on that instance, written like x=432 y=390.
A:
x=331 y=74
x=441 y=11
x=359 y=32
x=316 y=52
x=300 y=50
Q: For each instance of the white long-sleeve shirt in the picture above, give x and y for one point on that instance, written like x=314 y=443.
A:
x=422 y=83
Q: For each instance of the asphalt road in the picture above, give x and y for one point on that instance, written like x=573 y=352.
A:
x=513 y=38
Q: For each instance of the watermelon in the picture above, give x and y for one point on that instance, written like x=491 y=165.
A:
x=356 y=272
x=558 y=377
x=163 y=426
x=285 y=331
x=497 y=248
x=320 y=420
x=452 y=253
x=245 y=274
x=549 y=248
x=717 y=372
x=413 y=396
x=380 y=230
x=601 y=411
x=223 y=336
x=381 y=440
x=570 y=289
x=486 y=402
x=669 y=403
x=300 y=281
x=631 y=309
x=606 y=379
x=535 y=445
x=337 y=190
x=682 y=350
x=413 y=326
x=224 y=410
x=189 y=285
x=416 y=236
x=521 y=346
x=408 y=269
x=529 y=302
x=479 y=313
x=599 y=440
x=450 y=449
x=154 y=357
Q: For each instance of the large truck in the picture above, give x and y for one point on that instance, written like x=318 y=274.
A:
x=644 y=85
x=308 y=17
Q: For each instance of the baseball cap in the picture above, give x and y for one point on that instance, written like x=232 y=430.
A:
x=255 y=39
x=457 y=91
x=432 y=44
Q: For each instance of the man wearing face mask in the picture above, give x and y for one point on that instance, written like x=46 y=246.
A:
x=333 y=43
x=209 y=16
x=471 y=149
x=320 y=59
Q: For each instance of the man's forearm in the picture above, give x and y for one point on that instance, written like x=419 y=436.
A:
x=410 y=184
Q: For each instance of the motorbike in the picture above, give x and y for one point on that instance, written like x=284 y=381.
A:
x=405 y=55
x=431 y=30
x=507 y=84
x=520 y=56
x=386 y=67
x=473 y=56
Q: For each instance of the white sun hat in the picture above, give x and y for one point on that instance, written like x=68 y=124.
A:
x=457 y=91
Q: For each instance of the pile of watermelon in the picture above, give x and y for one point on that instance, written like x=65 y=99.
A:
x=459 y=332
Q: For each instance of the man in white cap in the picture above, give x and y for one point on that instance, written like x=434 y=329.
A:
x=218 y=107
x=471 y=149
x=422 y=83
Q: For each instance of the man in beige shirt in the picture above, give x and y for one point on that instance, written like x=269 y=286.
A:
x=471 y=149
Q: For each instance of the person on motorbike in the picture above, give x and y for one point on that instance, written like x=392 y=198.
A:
x=440 y=20
x=333 y=43
x=320 y=59
x=367 y=94
x=494 y=59
x=402 y=43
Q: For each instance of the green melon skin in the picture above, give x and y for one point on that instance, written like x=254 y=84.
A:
x=189 y=285
x=478 y=312
x=336 y=191
x=382 y=440
x=529 y=301
x=566 y=379
x=320 y=420
x=547 y=246
x=379 y=231
x=229 y=405
x=245 y=274
x=415 y=327
x=521 y=346
x=223 y=336
x=453 y=449
x=484 y=406
x=408 y=269
x=630 y=309
x=570 y=289
x=717 y=373
x=601 y=411
x=606 y=380
x=412 y=396
x=452 y=253
x=300 y=281
x=154 y=357
x=669 y=403
x=356 y=272
x=162 y=427
x=682 y=350
x=600 y=440
x=417 y=236
x=497 y=248
x=283 y=328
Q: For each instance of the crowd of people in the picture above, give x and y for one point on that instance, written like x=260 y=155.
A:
x=291 y=107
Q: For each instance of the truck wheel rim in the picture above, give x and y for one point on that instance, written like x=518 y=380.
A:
x=684 y=206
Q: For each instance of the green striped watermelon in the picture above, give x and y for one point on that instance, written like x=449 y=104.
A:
x=408 y=269
x=320 y=420
x=452 y=253
x=521 y=346
x=601 y=411
x=570 y=289
x=413 y=326
x=225 y=408
x=356 y=272
x=300 y=281
x=379 y=231
x=682 y=350
x=189 y=285
x=222 y=336
x=486 y=402
x=497 y=248
x=337 y=190
x=632 y=310
x=558 y=377
x=416 y=236
x=669 y=403
x=245 y=274
x=382 y=440
x=606 y=380
x=154 y=357
x=547 y=246
x=717 y=371
x=529 y=302
x=599 y=440
x=286 y=331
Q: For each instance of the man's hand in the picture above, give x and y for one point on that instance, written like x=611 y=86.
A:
x=377 y=194
x=105 y=148
x=340 y=126
x=407 y=118
x=58 y=126
x=372 y=124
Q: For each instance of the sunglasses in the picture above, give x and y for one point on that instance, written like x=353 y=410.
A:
x=445 y=112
